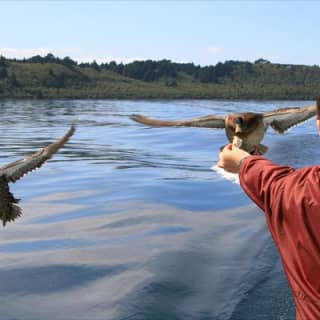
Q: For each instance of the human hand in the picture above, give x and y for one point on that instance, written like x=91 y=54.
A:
x=230 y=157
x=318 y=126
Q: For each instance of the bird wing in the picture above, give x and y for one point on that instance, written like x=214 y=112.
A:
x=283 y=119
x=16 y=170
x=9 y=210
x=210 y=121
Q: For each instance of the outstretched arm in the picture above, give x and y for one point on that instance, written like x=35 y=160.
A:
x=263 y=180
x=260 y=178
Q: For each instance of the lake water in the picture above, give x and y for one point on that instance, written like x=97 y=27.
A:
x=131 y=222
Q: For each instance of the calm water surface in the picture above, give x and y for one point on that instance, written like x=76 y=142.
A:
x=130 y=222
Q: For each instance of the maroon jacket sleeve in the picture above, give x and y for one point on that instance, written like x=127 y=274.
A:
x=261 y=178
x=291 y=200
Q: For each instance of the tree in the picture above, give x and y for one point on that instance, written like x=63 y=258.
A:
x=60 y=81
x=95 y=66
x=13 y=82
x=113 y=66
x=35 y=59
x=3 y=62
x=68 y=62
x=262 y=61
x=54 y=80
x=3 y=73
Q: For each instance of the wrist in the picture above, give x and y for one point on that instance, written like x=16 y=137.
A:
x=241 y=161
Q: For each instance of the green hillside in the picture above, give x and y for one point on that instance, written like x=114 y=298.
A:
x=51 y=77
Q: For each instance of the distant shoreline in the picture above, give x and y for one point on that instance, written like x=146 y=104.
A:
x=50 y=77
x=146 y=99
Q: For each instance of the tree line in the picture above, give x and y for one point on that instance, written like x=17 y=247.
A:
x=240 y=79
x=149 y=70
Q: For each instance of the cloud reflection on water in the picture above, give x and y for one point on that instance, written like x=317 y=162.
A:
x=152 y=261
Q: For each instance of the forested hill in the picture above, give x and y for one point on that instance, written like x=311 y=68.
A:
x=52 y=77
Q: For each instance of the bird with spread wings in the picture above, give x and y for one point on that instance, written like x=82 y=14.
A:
x=9 y=209
x=245 y=130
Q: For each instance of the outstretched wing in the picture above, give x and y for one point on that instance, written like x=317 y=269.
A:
x=16 y=170
x=9 y=210
x=282 y=119
x=210 y=121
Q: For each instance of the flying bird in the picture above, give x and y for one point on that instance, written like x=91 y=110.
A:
x=9 y=209
x=246 y=129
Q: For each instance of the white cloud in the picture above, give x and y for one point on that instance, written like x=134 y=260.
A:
x=78 y=54
x=104 y=59
x=29 y=52
x=214 y=50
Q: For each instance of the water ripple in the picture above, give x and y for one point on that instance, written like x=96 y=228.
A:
x=130 y=222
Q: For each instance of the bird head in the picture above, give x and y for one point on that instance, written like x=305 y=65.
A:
x=239 y=125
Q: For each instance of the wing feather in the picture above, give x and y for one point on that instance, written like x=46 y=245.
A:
x=16 y=170
x=210 y=121
x=9 y=210
x=283 y=119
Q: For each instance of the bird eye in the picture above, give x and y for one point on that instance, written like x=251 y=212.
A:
x=239 y=121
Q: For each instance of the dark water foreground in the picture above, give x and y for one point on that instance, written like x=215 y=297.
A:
x=130 y=222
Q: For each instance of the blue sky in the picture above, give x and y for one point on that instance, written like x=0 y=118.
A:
x=203 y=32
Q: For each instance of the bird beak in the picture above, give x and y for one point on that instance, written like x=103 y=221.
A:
x=238 y=129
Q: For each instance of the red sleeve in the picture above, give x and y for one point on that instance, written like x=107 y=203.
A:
x=261 y=179
x=291 y=200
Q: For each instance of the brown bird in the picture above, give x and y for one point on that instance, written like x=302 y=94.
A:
x=247 y=129
x=318 y=115
x=9 y=210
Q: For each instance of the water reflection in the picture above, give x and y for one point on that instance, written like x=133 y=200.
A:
x=131 y=223
x=123 y=260
x=152 y=262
